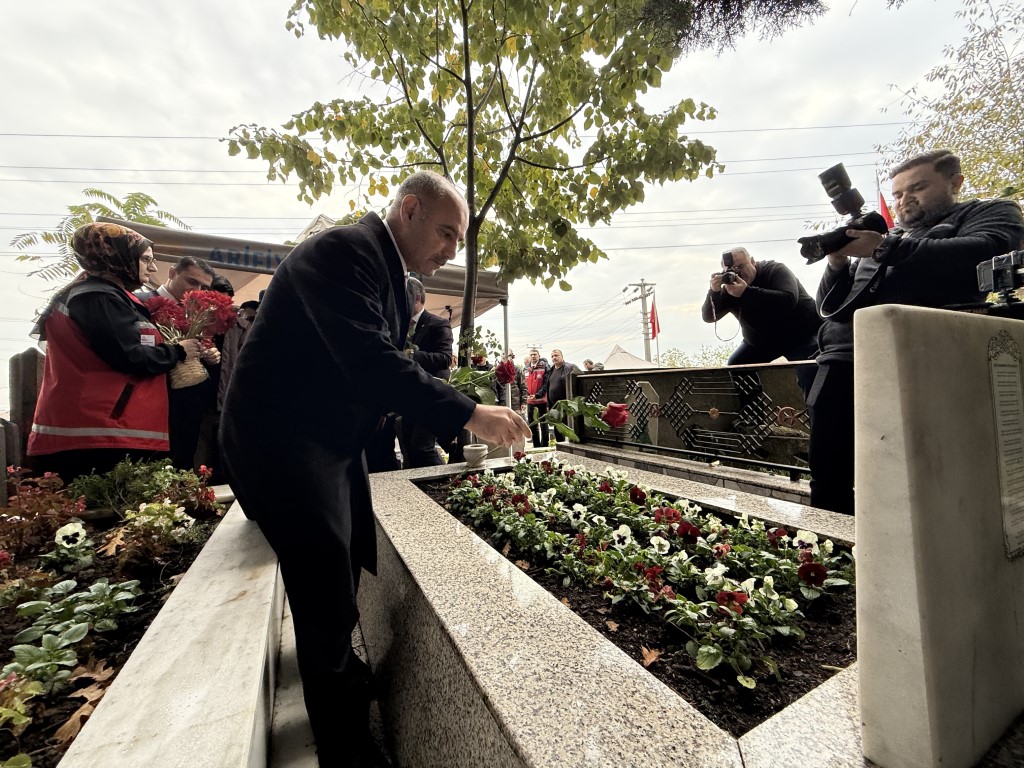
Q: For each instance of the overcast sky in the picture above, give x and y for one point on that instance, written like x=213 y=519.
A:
x=128 y=96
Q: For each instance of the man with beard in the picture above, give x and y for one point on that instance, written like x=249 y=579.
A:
x=929 y=260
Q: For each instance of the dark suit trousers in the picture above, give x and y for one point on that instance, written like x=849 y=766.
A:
x=418 y=445
x=832 y=436
x=314 y=550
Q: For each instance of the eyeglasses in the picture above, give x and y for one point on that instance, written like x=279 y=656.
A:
x=149 y=261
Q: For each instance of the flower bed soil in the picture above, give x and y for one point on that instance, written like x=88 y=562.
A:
x=829 y=645
x=50 y=712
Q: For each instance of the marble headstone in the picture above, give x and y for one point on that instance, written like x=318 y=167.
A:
x=940 y=526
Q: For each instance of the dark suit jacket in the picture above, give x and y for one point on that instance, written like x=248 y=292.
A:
x=433 y=339
x=321 y=363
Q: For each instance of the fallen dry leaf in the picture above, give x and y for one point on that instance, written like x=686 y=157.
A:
x=67 y=732
x=565 y=602
x=505 y=550
x=116 y=540
x=94 y=670
x=650 y=655
x=612 y=625
x=523 y=564
x=602 y=610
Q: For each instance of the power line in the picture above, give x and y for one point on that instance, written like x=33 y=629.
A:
x=221 y=138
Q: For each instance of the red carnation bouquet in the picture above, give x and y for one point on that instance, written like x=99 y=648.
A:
x=200 y=315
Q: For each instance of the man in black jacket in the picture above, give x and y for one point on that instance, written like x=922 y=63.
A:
x=929 y=261
x=329 y=342
x=777 y=316
x=429 y=345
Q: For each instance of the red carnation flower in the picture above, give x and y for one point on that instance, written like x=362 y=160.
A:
x=505 y=372
x=615 y=415
x=167 y=313
x=812 y=573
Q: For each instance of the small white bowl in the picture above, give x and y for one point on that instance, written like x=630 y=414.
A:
x=474 y=454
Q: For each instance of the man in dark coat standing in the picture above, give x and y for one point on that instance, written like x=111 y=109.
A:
x=323 y=361
x=430 y=346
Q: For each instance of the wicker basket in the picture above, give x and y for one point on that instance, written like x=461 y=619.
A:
x=188 y=374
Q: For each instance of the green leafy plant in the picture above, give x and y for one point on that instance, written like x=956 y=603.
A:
x=15 y=692
x=72 y=551
x=132 y=483
x=60 y=608
x=730 y=588
x=51 y=661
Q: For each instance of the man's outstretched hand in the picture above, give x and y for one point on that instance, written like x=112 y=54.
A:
x=497 y=424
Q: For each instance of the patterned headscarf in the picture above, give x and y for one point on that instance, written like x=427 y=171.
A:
x=102 y=249
x=110 y=249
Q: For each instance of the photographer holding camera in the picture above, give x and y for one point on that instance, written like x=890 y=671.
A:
x=777 y=316
x=929 y=260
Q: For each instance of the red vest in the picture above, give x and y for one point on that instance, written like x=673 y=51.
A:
x=85 y=404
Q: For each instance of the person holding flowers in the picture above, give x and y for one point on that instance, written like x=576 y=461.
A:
x=185 y=306
x=104 y=390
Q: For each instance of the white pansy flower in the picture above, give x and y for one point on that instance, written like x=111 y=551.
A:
x=805 y=538
x=827 y=546
x=70 y=535
x=622 y=537
x=692 y=508
x=660 y=545
x=789 y=604
x=578 y=514
x=748 y=585
x=599 y=520
x=715 y=575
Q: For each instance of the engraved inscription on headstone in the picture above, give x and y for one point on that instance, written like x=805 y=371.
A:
x=1004 y=357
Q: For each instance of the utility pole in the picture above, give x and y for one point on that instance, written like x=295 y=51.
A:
x=643 y=290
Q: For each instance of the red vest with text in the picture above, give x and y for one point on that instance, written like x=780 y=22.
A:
x=85 y=404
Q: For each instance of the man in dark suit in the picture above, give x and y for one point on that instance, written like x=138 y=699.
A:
x=430 y=345
x=327 y=344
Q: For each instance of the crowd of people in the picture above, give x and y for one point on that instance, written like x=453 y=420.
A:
x=104 y=393
x=343 y=333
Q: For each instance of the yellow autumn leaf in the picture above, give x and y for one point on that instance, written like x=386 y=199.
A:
x=510 y=45
x=313 y=157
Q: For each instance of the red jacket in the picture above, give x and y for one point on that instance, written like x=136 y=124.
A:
x=86 y=404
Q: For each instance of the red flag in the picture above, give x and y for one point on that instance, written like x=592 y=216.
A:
x=655 y=327
x=884 y=210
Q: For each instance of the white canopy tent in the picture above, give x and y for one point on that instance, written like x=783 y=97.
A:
x=621 y=360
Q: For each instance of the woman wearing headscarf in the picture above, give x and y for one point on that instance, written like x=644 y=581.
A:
x=104 y=391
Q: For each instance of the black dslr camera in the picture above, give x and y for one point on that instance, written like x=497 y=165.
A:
x=729 y=275
x=1002 y=275
x=848 y=202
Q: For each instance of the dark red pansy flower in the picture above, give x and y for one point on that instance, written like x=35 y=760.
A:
x=812 y=573
x=721 y=550
x=519 y=455
x=637 y=495
x=806 y=556
x=489 y=490
x=687 y=531
x=569 y=473
x=731 y=601
x=605 y=487
x=581 y=542
x=775 y=536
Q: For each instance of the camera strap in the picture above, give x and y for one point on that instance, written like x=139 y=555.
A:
x=840 y=306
